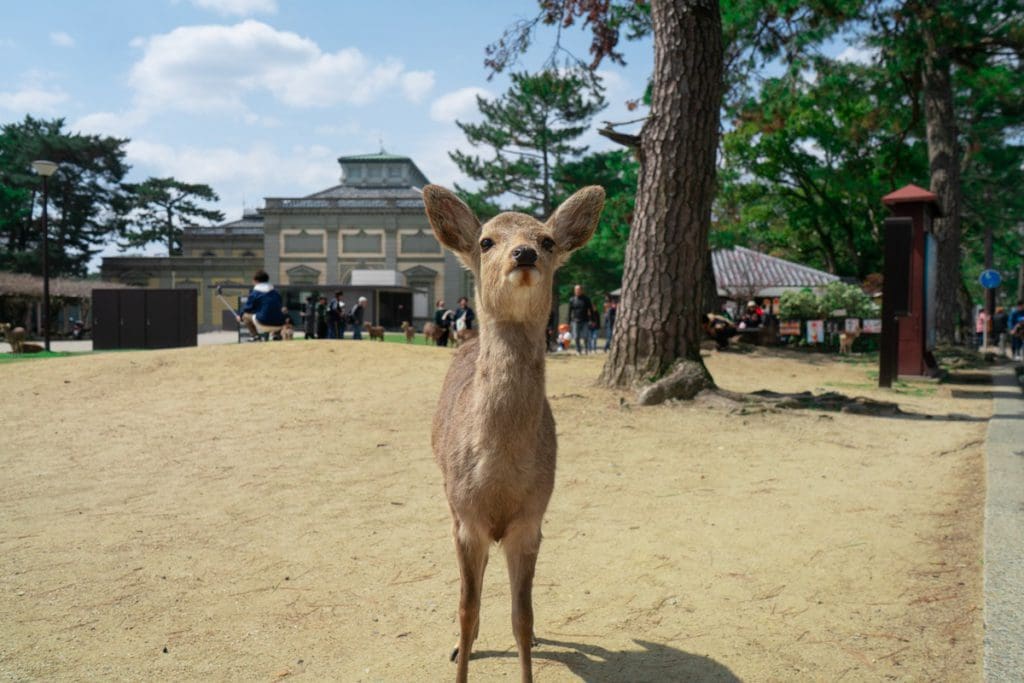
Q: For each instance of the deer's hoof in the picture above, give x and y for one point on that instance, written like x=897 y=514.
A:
x=454 y=657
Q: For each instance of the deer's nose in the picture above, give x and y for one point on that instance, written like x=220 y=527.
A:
x=524 y=255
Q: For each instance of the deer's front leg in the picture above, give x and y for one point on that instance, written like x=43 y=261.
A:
x=471 y=551
x=522 y=543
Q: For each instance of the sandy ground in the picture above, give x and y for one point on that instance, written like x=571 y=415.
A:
x=168 y=515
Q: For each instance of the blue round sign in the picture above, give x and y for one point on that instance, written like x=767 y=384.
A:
x=990 y=279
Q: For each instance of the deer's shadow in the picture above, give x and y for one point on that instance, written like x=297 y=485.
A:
x=652 y=662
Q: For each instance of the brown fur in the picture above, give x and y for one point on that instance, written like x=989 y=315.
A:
x=430 y=332
x=29 y=347
x=375 y=331
x=846 y=340
x=464 y=336
x=15 y=337
x=410 y=332
x=493 y=434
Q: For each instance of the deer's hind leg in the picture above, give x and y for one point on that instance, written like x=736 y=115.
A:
x=521 y=544
x=471 y=550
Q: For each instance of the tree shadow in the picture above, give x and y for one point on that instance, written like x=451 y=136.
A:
x=835 y=402
x=653 y=662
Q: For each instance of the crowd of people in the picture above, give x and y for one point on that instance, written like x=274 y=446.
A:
x=585 y=324
x=323 y=319
x=1006 y=330
x=265 y=315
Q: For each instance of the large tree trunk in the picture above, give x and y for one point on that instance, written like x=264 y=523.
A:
x=944 y=166
x=658 y=329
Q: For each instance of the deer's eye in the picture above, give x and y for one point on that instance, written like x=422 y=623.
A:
x=547 y=243
x=486 y=243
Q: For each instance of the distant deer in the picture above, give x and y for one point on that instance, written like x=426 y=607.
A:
x=493 y=434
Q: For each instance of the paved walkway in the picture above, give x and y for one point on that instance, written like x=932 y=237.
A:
x=1004 y=532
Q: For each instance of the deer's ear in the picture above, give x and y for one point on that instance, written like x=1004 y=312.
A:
x=574 y=222
x=453 y=222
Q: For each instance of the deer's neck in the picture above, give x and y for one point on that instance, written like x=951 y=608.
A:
x=510 y=371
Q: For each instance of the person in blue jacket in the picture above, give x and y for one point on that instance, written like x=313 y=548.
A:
x=1016 y=327
x=263 y=305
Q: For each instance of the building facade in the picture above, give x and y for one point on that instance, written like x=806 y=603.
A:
x=373 y=219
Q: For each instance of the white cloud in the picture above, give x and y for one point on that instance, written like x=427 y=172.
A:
x=459 y=104
x=62 y=39
x=33 y=100
x=416 y=84
x=857 y=55
x=253 y=173
x=120 y=125
x=240 y=8
x=208 y=68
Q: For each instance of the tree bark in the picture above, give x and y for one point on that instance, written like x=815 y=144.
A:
x=944 y=167
x=658 y=329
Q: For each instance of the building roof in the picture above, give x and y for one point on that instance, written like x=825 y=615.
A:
x=740 y=270
x=910 y=193
x=23 y=284
x=355 y=192
x=381 y=156
x=251 y=223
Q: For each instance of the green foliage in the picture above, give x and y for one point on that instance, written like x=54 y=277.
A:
x=847 y=297
x=598 y=265
x=85 y=199
x=529 y=131
x=803 y=304
x=161 y=208
x=807 y=162
x=807 y=305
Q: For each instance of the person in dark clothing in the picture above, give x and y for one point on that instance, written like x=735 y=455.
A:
x=1016 y=328
x=321 y=318
x=752 y=317
x=356 y=318
x=443 y=322
x=336 y=317
x=309 y=318
x=263 y=307
x=580 y=308
x=719 y=328
x=464 y=316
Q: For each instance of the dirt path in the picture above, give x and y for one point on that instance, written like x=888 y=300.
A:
x=164 y=517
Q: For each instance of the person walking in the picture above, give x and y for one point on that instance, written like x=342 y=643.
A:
x=443 y=322
x=321 y=318
x=356 y=318
x=579 y=317
x=1016 y=325
x=336 y=317
x=309 y=317
x=593 y=329
x=464 y=319
x=999 y=322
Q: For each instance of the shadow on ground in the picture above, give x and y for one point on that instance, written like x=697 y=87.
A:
x=653 y=662
x=834 y=402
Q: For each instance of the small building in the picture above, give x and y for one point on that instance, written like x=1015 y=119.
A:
x=373 y=219
x=743 y=274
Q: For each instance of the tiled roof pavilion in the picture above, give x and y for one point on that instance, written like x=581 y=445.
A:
x=740 y=270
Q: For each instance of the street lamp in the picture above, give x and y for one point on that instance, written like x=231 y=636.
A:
x=45 y=169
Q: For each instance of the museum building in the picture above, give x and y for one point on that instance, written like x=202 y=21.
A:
x=366 y=235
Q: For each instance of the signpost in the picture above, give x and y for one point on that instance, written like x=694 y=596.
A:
x=990 y=279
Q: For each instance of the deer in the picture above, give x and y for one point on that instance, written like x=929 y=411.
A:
x=493 y=433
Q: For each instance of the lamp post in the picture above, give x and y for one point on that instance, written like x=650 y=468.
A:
x=45 y=169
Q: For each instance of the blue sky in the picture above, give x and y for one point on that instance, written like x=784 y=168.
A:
x=258 y=98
